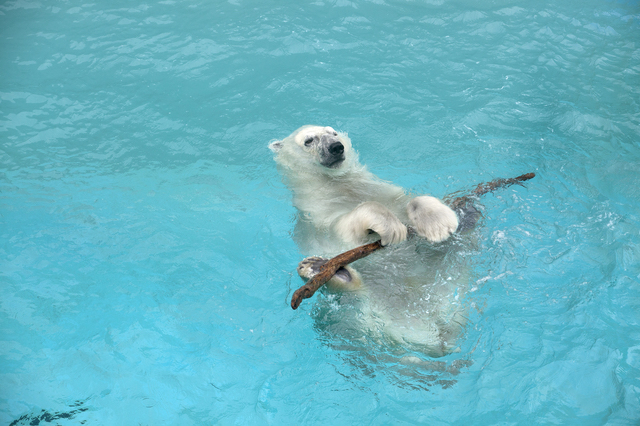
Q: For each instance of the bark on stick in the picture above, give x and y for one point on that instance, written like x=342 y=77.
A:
x=329 y=269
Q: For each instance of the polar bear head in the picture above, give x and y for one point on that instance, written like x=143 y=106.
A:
x=315 y=148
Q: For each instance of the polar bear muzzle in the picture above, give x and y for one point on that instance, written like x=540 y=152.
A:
x=332 y=152
x=336 y=148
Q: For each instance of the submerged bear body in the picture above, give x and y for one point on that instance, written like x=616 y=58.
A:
x=409 y=292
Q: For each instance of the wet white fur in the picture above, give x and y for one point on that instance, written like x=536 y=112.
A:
x=401 y=297
x=349 y=200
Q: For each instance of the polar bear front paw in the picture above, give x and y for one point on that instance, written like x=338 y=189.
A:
x=431 y=218
x=345 y=278
x=368 y=217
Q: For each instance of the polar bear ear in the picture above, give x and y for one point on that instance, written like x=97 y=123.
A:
x=275 y=146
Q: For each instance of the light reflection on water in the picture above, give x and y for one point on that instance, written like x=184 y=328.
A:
x=147 y=257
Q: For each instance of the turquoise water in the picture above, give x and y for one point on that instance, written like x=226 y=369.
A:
x=147 y=259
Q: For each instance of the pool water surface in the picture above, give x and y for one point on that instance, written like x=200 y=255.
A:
x=147 y=253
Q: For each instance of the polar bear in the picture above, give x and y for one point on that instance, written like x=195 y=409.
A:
x=404 y=295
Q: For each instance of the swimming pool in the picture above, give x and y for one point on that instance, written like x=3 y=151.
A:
x=147 y=258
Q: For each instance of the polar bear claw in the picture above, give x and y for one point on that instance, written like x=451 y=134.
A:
x=431 y=218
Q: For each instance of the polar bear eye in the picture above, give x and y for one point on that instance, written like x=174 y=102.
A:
x=308 y=141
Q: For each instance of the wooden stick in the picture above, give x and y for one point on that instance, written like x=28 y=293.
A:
x=483 y=188
x=328 y=270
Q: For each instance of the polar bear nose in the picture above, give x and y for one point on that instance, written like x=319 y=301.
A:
x=336 y=148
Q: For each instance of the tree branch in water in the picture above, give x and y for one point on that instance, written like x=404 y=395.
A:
x=328 y=270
